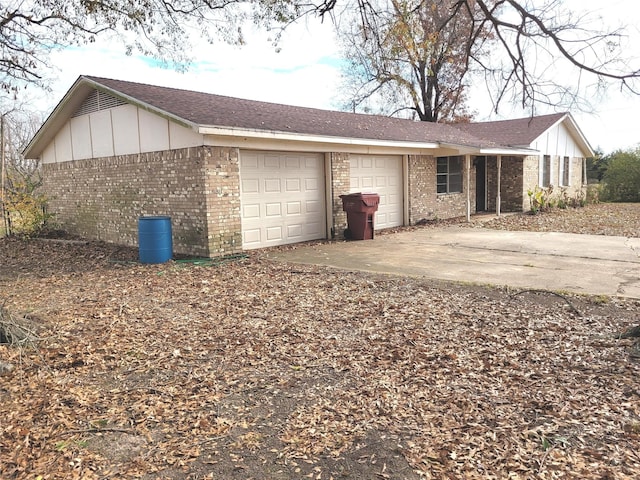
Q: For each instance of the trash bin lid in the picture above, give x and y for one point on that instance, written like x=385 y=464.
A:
x=371 y=201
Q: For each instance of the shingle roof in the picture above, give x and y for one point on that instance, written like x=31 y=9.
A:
x=206 y=109
x=519 y=132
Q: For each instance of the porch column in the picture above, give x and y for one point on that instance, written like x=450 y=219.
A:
x=498 y=199
x=468 y=168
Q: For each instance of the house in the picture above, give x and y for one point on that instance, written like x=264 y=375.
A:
x=236 y=174
x=560 y=162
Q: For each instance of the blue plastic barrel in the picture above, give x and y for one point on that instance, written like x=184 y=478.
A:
x=154 y=239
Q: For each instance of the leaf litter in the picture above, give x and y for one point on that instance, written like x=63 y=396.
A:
x=252 y=369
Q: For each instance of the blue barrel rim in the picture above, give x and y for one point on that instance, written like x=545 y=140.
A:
x=154 y=217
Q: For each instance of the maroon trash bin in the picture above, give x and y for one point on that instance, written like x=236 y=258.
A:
x=361 y=209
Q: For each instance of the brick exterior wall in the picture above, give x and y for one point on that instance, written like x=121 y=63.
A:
x=531 y=175
x=103 y=198
x=575 y=189
x=340 y=185
x=222 y=192
x=199 y=188
x=511 y=184
x=424 y=201
x=530 y=179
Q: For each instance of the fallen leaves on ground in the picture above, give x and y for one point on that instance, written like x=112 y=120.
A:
x=252 y=369
x=617 y=219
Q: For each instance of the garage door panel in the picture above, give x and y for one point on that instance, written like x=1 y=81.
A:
x=380 y=218
x=393 y=199
x=251 y=211
x=294 y=231
x=366 y=162
x=313 y=206
x=274 y=233
x=380 y=174
x=250 y=161
x=273 y=210
x=361 y=183
x=250 y=186
x=311 y=184
x=314 y=229
x=382 y=182
x=292 y=162
x=252 y=237
x=272 y=185
x=288 y=204
x=293 y=185
x=270 y=162
x=294 y=208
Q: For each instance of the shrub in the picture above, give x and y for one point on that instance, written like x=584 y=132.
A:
x=592 y=194
x=25 y=209
x=539 y=199
x=621 y=181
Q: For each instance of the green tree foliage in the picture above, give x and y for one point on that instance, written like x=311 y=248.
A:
x=408 y=61
x=621 y=181
x=25 y=208
x=597 y=166
x=22 y=205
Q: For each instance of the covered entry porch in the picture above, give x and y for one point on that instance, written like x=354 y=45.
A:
x=500 y=183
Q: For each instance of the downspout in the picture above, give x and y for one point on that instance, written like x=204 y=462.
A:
x=498 y=197
x=468 y=168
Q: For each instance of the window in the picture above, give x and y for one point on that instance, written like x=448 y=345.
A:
x=449 y=174
x=565 y=172
x=546 y=170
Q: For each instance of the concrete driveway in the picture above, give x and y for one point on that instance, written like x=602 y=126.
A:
x=588 y=264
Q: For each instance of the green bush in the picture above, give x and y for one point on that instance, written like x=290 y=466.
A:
x=25 y=209
x=621 y=181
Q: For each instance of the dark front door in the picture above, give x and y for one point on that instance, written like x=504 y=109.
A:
x=481 y=184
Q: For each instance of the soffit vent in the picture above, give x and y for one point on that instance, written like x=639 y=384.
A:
x=98 y=101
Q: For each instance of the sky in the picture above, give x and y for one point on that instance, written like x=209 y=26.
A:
x=305 y=70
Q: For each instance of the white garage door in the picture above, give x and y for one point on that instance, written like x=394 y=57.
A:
x=381 y=174
x=282 y=198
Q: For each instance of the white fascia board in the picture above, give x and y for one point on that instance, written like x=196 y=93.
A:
x=509 y=151
x=574 y=129
x=301 y=137
x=581 y=137
x=145 y=106
x=477 y=150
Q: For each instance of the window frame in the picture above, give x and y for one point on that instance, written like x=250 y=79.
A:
x=566 y=166
x=444 y=176
x=545 y=171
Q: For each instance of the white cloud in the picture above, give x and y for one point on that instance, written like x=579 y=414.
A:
x=304 y=71
x=301 y=70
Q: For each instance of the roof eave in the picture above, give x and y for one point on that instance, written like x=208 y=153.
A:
x=575 y=130
x=493 y=150
x=508 y=151
x=581 y=137
x=145 y=106
x=305 y=137
x=65 y=108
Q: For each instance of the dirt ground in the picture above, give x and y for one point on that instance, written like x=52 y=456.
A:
x=241 y=368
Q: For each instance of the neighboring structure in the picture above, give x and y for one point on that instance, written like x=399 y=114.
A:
x=236 y=174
